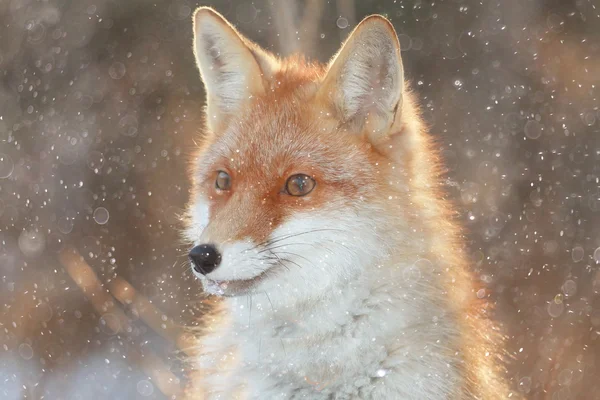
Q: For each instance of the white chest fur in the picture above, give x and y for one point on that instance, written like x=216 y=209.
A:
x=363 y=343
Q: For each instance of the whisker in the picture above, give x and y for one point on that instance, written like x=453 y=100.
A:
x=290 y=261
x=284 y=237
x=250 y=308
x=285 y=245
x=305 y=244
x=281 y=260
x=259 y=347
x=282 y=345
x=295 y=255
x=268 y=298
x=316 y=246
x=182 y=264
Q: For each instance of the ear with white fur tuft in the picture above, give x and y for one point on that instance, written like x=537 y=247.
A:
x=232 y=68
x=365 y=80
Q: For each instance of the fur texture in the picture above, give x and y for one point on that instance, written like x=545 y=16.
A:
x=358 y=290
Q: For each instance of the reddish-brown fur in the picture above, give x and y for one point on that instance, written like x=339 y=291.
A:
x=291 y=128
x=284 y=133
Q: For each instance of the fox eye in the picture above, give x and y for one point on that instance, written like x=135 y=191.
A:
x=223 y=181
x=299 y=185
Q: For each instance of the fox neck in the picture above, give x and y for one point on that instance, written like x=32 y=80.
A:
x=264 y=310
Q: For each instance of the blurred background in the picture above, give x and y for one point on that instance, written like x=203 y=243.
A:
x=100 y=102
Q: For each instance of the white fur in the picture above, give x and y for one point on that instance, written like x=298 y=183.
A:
x=346 y=322
x=348 y=305
x=239 y=261
x=199 y=215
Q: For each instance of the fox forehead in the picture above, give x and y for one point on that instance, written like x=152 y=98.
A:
x=275 y=137
x=287 y=130
x=265 y=145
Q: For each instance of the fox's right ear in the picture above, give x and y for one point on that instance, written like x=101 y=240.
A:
x=232 y=68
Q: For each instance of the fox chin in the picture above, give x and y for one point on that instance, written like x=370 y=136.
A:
x=319 y=222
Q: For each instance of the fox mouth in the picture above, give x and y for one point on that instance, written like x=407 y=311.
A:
x=234 y=287
x=230 y=288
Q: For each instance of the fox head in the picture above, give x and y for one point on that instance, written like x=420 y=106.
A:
x=302 y=180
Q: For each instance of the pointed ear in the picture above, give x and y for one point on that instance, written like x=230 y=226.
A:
x=365 y=80
x=232 y=68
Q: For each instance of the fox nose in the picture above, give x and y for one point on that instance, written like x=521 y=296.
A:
x=205 y=258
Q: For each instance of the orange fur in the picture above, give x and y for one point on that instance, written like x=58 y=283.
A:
x=294 y=112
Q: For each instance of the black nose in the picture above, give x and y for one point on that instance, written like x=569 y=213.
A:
x=205 y=258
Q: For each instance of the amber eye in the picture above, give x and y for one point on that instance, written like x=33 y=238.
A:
x=223 y=181
x=300 y=185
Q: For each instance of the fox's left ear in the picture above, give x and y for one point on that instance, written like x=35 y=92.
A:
x=232 y=68
x=365 y=80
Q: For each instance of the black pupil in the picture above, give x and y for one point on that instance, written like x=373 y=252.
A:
x=301 y=183
x=223 y=180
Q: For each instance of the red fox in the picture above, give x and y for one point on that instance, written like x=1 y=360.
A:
x=319 y=221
